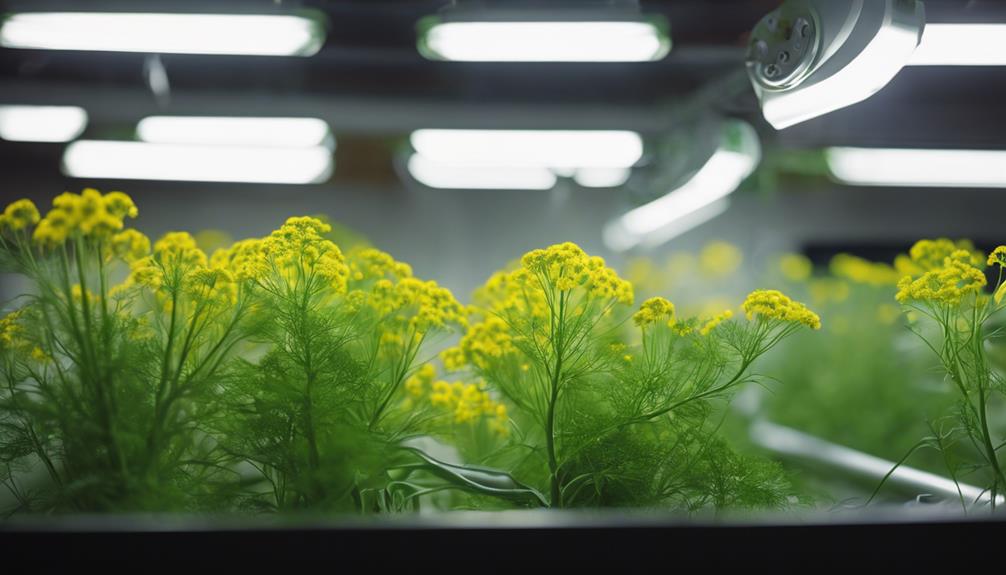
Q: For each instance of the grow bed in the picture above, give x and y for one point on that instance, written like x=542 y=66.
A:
x=904 y=535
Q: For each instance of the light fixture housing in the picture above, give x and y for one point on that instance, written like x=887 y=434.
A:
x=811 y=57
x=699 y=198
x=544 y=32
x=41 y=123
x=165 y=33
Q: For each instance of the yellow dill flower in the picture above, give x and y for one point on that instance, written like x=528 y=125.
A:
x=11 y=330
x=299 y=243
x=213 y=286
x=417 y=384
x=997 y=257
x=39 y=355
x=929 y=255
x=423 y=305
x=653 y=310
x=51 y=232
x=146 y=272
x=179 y=248
x=947 y=285
x=130 y=245
x=859 y=270
x=484 y=343
x=370 y=263
x=245 y=259
x=120 y=205
x=565 y=266
x=715 y=321
x=720 y=259
x=512 y=293
x=795 y=267
x=19 y=215
x=442 y=395
x=774 y=305
x=453 y=358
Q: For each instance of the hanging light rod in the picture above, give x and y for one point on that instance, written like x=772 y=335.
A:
x=700 y=198
x=165 y=33
x=544 y=32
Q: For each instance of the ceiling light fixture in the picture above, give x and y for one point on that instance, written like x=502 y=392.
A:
x=165 y=33
x=811 y=57
x=145 y=161
x=41 y=123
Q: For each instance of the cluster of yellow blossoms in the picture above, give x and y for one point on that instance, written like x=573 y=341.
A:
x=486 y=342
x=653 y=310
x=367 y=264
x=774 y=305
x=175 y=256
x=299 y=244
x=714 y=322
x=949 y=283
x=467 y=403
x=512 y=294
x=859 y=270
x=19 y=215
x=12 y=337
x=566 y=266
x=89 y=214
x=427 y=305
x=11 y=330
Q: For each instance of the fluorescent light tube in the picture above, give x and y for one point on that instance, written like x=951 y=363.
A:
x=918 y=167
x=601 y=177
x=961 y=45
x=234 y=131
x=452 y=176
x=41 y=123
x=245 y=34
x=145 y=161
x=537 y=41
x=651 y=223
x=530 y=148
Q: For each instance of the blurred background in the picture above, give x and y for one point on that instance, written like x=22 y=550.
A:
x=363 y=74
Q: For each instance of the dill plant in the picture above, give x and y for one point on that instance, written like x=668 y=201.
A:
x=944 y=282
x=341 y=384
x=105 y=387
x=870 y=371
x=605 y=420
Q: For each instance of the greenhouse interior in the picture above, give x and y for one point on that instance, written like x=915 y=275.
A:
x=347 y=274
